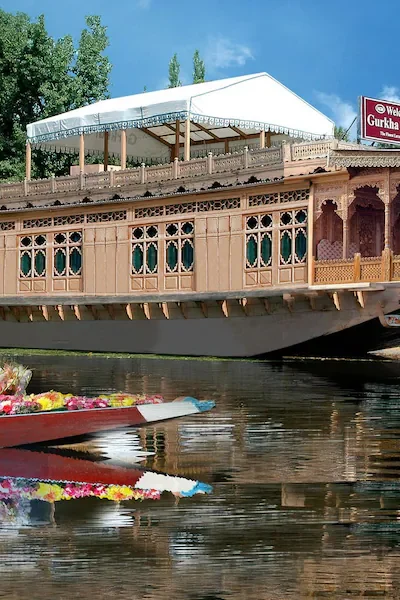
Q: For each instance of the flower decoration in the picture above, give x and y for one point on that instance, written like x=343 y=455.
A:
x=48 y=401
x=14 y=489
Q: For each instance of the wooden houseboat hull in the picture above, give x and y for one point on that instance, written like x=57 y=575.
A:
x=269 y=321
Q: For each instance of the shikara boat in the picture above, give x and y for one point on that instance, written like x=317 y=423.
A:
x=23 y=466
x=23 y=429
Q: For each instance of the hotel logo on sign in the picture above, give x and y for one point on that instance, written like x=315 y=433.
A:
x=379 y=120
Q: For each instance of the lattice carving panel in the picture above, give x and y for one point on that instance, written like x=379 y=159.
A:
x=280 y=197
x=333 y=273
x=371 y=271
x=37 y=223
x=186 y=207
x=396 y=268
x=103 y=217
x=69 y=220
x=7 y=225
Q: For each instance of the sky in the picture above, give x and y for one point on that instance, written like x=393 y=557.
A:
x=329 y=53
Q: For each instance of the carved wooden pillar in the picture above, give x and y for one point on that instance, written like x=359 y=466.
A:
x=310 y=237
x=345 y=219
x=387 y=225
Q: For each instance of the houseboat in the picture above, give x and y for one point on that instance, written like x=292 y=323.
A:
x=232 y=225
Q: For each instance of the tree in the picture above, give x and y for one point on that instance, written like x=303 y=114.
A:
x=341 y=133
x=41 y=77
x=173 y=72
x=199 y=68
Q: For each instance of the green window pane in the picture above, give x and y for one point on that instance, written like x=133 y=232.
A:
x=75 y=261
x=137 y=259
x=251 y=251
x=301 y=216
x=266 y=250
x=40 y=263
x=300 y=245
x=172 y=256
x=26 y=264
x=59 y=262
x=187 y=255
x=286 y=247
x=151 y=258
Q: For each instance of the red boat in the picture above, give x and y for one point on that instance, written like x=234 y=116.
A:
x=50 y=467
x=23 y=429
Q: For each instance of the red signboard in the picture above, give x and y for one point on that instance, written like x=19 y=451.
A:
x=379 y=120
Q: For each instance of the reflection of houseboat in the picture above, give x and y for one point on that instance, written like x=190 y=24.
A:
x=256 y=232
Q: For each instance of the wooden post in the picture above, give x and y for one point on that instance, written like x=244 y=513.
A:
x=187 y=140
x=268 y=141
x=387 y=262
x=262 y=138
x=106 y=151
x=82 y=153
x=345 y=248
x=28 y=162
x=123 y=148
x=310 y=237
x=357 y=267
x=387 y=225
x=177 y=136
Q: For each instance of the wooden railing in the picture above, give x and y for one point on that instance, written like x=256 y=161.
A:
x=225 y=163
x=357 y=269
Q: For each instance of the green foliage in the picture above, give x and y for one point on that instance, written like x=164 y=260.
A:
x=341 y=133
x=199 y=68
x=173 y=72
x=41 y=77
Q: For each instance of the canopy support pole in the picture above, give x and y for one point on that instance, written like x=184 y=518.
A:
x=106 y=150
x=262 y=138
x=177 y=136
x=268 y=139
x=187 y=140
x=81 y=153
x=123 y=149
x=28 y=161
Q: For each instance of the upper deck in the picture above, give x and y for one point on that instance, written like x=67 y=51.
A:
x=263 y=164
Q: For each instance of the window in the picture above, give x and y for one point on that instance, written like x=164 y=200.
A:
x=145 y=250
x=293 y=237
x=67 y=254
x=179 y=247
x=32 y=256
x=258 y=241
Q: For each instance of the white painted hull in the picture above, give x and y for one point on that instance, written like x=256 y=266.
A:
x=232 y=336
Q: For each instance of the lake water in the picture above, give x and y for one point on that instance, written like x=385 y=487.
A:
x=304 y=461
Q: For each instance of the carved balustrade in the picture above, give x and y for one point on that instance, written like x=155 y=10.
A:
x=224 y=163
x=357 y=269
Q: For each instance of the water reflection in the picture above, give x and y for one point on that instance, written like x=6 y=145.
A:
x=304 y=461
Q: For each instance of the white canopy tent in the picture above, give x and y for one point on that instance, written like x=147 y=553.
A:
x=212 y=114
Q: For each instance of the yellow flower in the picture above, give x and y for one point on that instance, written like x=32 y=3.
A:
x=122 y=399
x=49 y=400
x=49 y=491
x=118 y=493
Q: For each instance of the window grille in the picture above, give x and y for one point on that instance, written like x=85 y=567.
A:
x=144 y=250
x=293 y=237
x=179 y=247
x=32 y=256
x=67 y=254
x=258 y=241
